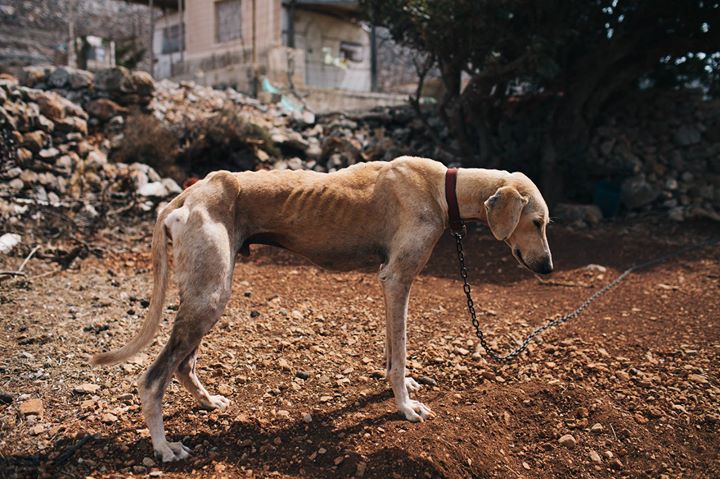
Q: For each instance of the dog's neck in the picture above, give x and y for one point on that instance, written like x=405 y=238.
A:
x=474 y=186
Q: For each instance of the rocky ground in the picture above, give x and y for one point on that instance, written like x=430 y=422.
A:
x=629 y=389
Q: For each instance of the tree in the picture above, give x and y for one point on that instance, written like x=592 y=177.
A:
x=551 y=65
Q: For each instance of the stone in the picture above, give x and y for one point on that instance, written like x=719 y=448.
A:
x=143 y=83
x=8 y=241
x=78 y=79
x=16 y=184
x=155 y=189
x=34 y=140
x=171 y=185
x=568 y=441
x=71 y=124
x=687 y=135
x=148 y=462
x=636 y=192
x=59 y=77
x=307 y=417
x=677 y=213
x=87 y=388
x=48 y=154
x=104 y=109
x=595 y=457
x=597 y=428
x=32 y=407
x=572 y=212
x=108 y=418
x=116 y=79
x=51 y=105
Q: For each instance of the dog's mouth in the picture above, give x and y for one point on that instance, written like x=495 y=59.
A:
x=518 y=256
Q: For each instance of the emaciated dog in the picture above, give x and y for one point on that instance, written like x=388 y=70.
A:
x=389 y=213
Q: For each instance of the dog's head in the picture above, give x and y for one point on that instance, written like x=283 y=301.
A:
x=518 y=215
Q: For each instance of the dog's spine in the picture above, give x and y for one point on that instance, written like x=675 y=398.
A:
x=160 y=283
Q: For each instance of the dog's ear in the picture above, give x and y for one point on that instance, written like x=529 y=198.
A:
x=503 y=211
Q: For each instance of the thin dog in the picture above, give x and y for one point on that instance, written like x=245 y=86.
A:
x=387 y=213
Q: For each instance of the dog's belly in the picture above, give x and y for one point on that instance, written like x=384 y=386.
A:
x=347 y=257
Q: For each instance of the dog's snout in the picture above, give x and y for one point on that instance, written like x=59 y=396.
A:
x=546 y=267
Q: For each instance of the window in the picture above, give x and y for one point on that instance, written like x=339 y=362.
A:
x=351 y=51
x=228 y=24
x=171 y=41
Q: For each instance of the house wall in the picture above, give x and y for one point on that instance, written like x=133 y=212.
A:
x=315 y=32
x=163 y=62
x=200 y=29
x=317 y=56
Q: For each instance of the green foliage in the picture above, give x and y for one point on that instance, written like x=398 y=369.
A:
x=557 y=63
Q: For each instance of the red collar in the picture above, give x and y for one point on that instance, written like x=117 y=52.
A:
x=456 y=223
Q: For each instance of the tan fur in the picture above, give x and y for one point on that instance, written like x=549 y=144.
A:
x=157 y=300
x=390 y=214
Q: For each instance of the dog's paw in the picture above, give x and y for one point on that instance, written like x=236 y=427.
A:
x=215 y=402
x=415 y=411
x=172 y=451
x=411 y=385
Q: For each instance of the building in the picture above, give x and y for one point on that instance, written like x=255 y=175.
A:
x=298 y=43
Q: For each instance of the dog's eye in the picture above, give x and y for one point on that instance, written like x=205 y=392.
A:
x=538 y=224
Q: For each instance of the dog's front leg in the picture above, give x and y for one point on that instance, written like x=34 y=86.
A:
x=396 y=289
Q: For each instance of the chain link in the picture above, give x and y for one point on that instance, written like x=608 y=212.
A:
x=511 y=356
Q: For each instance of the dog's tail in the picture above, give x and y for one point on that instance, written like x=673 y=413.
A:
x=157 y=301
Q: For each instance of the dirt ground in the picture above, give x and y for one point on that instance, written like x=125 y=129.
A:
x=634 y=380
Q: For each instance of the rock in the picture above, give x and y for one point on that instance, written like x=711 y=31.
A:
x=636 y=192
x=8 y=241
x=34 y=140
x=171 y=186
x=115 y=80
x=307 y=417
x=143 y=83
x=48 y=154
x=284 y=365
x=87 y=388
x=568 y=441
x=595 y=457
x=32 y=407
x=155 y=189
x=686 y=135
x=302 y=374
x=677 y=213
x=104 y=109
x=59 y=77
x=148 y=462
x=108 y=418
x=597 y=428
x=51 y=105
x=428 y=381
x=78 y=79
x=71 y=124
x=571 y=212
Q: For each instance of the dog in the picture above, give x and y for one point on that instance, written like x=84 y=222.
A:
x=387 y=213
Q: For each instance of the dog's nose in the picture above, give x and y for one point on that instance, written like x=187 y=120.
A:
x=546 y=267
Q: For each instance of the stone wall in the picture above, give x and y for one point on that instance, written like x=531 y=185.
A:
x=662 y=151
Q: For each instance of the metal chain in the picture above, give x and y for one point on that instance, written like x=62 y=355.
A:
x=508 y=358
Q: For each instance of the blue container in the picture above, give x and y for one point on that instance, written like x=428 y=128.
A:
x=607 y=198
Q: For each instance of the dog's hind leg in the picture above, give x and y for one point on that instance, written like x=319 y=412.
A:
x=204 y=262
x=187 y=376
